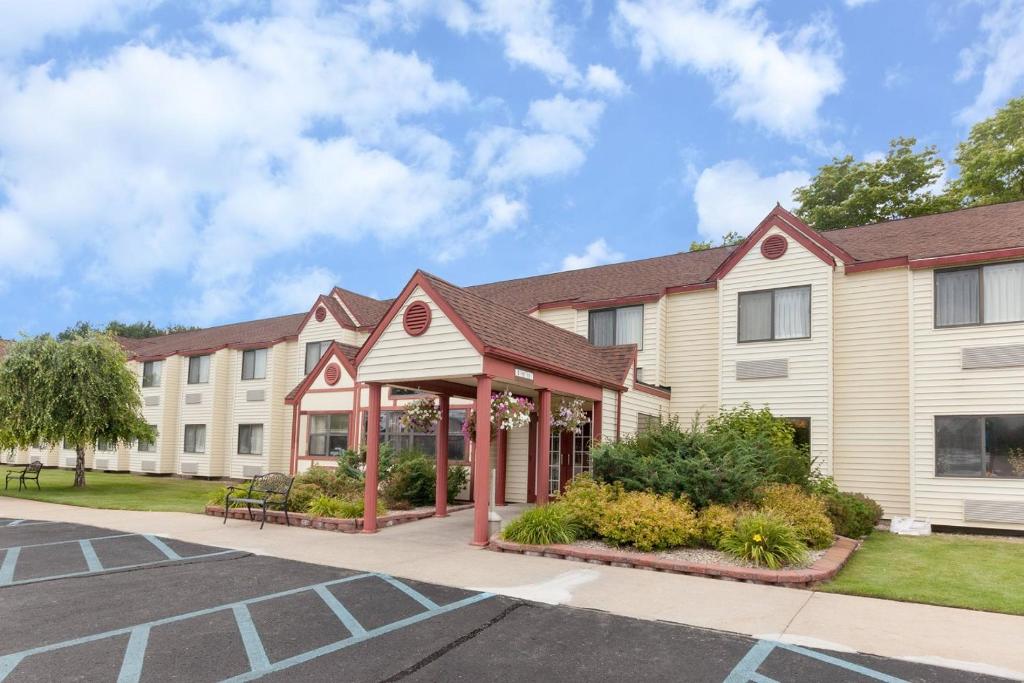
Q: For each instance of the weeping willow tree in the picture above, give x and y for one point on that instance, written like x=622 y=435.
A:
x=77 y=392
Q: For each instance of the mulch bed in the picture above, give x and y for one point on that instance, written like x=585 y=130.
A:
x=826 y=566
x=346 y=526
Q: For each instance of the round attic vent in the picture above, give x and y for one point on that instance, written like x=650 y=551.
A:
x=774 y=247
x=416 y=319
x=332 y=374
x=321 y=314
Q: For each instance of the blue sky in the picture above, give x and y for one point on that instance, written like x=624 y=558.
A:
x=222 y=160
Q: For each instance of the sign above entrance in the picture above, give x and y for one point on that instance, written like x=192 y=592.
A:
x=524 y=374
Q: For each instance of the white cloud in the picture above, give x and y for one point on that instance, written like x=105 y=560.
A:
x=778 y=80
x=502 y=213
x=560 y=115
x=732 y=196
x=605 y=80
x=858 y=3
x=895 y=77
x=295 y=292
x=26 y=25
x=597 y=253
x=998 y=58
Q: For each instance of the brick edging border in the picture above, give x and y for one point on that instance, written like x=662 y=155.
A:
x=345 y=526
x=824 y=569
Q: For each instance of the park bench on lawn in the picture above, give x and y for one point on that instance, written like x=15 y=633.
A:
x=29 y=472
x=263 y=491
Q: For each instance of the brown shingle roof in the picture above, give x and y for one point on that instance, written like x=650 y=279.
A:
x=253 y=332
x=367 y=310
x=343 y=318
x=509 y=330
x=982 y=228
x=614 y=281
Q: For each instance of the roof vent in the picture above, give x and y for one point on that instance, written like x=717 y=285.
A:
x=332 y=374
x=321 y=314
x=416 y=319
x=774 y=246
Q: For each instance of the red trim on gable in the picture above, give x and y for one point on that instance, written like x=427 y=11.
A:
x=495 y=353
x=504 y=370
x=962 y=259
x=792 y=226
x=323 y=300
x=696 y=287
x=862 y=266
x=333 y=353
x=653 y=391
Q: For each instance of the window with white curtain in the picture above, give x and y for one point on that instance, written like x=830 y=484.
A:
x=250 y=439
x=979 y=295
x=775 y=314
x=611 y=326
x=198 y=369
x=314 y=352
x=254 y=364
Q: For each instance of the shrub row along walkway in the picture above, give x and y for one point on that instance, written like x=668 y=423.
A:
x=435 y=550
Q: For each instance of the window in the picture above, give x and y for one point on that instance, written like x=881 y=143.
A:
x=645 y=422
x=979 y=295
x=315 y=351
x=775 y=314
x=250 y=439
x=254 y=364
x=152 y=371
x=195 y=438
x=198 y=369
x=104 y=445
x=581 y=450
x=401 y=439
x=979 y=446
x=328 y=434
x=801 y=430
x=612 y=326
x=148 y=446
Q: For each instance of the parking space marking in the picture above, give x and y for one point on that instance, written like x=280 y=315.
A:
x=746 y=670
x=23 y=522
x=251 y=640
x=73 y=540
x=344 y=616
x=7 y=568
x=113 y=570
x=134 y=654
x=91 y=561
x=162 y=547
x=412 y=593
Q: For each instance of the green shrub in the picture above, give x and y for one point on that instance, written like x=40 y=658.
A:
x=325 y=506
x=853 y=514
x=332 y=481
x=217 y=496
x=412 y=480
x=301 y=496
x=805 y=513
x=458 y=477
x=765 y=539
x=353 y=509
x=822 y=486
x=543 y=525
x=713 y=523
x=648 y=521
x=586 y=500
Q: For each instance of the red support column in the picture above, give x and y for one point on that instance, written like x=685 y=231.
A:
x=543 y=444
x=499 y=483
x=372 y=461
x=595 y=425
x=531 y=462
x=481 y=460
x=441 y=494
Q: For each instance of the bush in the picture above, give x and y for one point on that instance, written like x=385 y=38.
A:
x=805 y=513
x=853 y=514
x=648 y=521
x=543 y=525
x=412 y=480
x=325 y=506
x=353 y=509
x=713 y=523
x=458 y=477
x=332 y=481
x=765 y=539
x=586 y=500
x=217 y=496
x=301 y=496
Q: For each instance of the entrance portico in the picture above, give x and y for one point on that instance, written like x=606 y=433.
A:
x=439 y=339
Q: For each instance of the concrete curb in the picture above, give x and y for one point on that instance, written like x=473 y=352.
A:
x=822 y=570
x=345 y=526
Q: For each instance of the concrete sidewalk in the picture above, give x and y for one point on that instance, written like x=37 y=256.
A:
x=436 y=550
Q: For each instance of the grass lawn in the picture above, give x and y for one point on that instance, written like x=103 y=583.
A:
x=975 y=572
x=118 y=491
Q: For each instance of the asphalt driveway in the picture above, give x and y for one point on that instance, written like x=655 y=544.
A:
x=91 y=604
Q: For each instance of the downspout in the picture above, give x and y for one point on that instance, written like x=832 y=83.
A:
x=618 y=415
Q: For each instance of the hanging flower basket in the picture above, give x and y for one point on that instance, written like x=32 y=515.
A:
x=569 y=416
x=421 y=415
x=510 y=412
x=469 y=427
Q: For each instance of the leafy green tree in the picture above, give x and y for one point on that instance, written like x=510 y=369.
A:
x=77 y=392
x=846 y=192
x=137 y=330
x=991 y=160
x=729 y=239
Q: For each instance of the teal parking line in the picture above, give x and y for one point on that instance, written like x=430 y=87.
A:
x=746 y=670
x=9 y=661
x=411 y=592
x=254 y=649
x=134 y=655
x=25 y=522
x=842 y=663
x=7 y=568
x=355 y=640
x=346 y=618
x=112 y=570
x=14 y=522
x=162 y=547
x=74 y=540
x=91 y=560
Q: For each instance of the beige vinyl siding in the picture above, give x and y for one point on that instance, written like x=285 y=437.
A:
x=278 y=366
x=692 y=347
x=564 y=318
x=242 y=411
x=517 y=461
x=213 y=411
x=872 y=387
x=807 y=391
x=313 y=331
x=442 y=351
x=609 y=408
x=941 y=387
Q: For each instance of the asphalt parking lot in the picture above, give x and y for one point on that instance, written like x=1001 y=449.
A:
x=91 y=604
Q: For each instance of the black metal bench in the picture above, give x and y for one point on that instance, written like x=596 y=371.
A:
x=29 y=472
x=263 y=491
